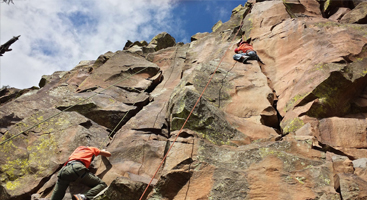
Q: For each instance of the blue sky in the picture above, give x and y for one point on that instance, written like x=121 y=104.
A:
x=200 y=16
x=57 y=34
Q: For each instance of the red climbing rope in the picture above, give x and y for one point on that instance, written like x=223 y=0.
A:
x=164 y=158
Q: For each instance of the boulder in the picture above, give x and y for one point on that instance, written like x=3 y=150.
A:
x=39 y=153
x=342 y=164
x=128 y=44
x=302 y=8
x=161 y=41
x=342 y=132
x=8 y=94
x=113 y=73
x=235 y=21
x=102 y=59
x=255 y=171
x=339 y=14
x=360 y=163
x=136 y=49
x=198 y=36
x=306 y=132
x=351 y=186
x=303 y=101
x=204 y=119
x=217 y=25
x=360 y=166
x=357 y=16
x=236 y=9
x=123 y=188
x=329 y=7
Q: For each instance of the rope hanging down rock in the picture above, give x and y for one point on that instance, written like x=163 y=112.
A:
x=192 y=110
x=109 y=135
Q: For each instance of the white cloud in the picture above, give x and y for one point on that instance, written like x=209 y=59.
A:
x=57 y=34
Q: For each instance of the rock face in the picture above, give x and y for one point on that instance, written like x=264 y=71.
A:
x=292 y=128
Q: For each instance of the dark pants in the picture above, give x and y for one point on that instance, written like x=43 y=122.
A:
x=73 y=172
x=252 y=55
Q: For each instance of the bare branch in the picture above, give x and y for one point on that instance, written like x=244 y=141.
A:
x=5 y=47
x=8 y=1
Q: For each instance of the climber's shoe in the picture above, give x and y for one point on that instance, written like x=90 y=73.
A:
x=79 y=197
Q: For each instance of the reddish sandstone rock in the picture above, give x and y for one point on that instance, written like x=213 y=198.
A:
x=343 y=132
x=289 y=129
x=140 y=144
x=256 y=171
x=339 y=14
x=112 y=72
x=358 y=15
x=37 y=154
x=161 y=41
x=308 y=85
x=351 y=186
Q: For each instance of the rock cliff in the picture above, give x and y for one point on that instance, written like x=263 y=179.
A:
x=293 y=128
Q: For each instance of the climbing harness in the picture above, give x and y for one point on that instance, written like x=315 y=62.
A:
x=164 y=158
x=192 y=110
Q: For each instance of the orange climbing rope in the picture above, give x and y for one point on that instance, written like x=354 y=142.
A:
x=192 y=110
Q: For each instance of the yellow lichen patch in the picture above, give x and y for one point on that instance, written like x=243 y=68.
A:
x=40 y=118
x=295 y=100
x=7 y=147
x=292 y=125
x=326 y=96
x=21 y=126
x=12 y=185
x=364 y=72
x=40 y=152
x=61 y=121
x=15 y=168
x=289 y=179
x=237 y=9
x=324 y=179
x=112 y=100
x=326 y=5
x=37 y=162
x=360 y=59
x=301 y=179
x=321 y=66
x=217 y=25
x=267 y=151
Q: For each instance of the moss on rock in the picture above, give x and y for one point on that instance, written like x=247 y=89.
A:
x=205 y=119
x=291 y=125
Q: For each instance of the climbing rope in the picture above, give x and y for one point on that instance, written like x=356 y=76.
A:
x=109 y=135
x=59 y=113
x=192 y=110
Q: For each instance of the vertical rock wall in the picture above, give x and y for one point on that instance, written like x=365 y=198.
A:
x=293 y=128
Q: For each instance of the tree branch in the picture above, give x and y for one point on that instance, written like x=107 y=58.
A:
x=5 y=47
x=8 y=1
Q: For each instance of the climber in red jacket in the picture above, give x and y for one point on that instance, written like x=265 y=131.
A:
x=77 y=168
x=244 y=52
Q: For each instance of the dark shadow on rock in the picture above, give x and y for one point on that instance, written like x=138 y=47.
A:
x=170 y=184
x=108 y=165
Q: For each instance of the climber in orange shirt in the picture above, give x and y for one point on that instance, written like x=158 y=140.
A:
x=244 y=52
x=77 y=168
